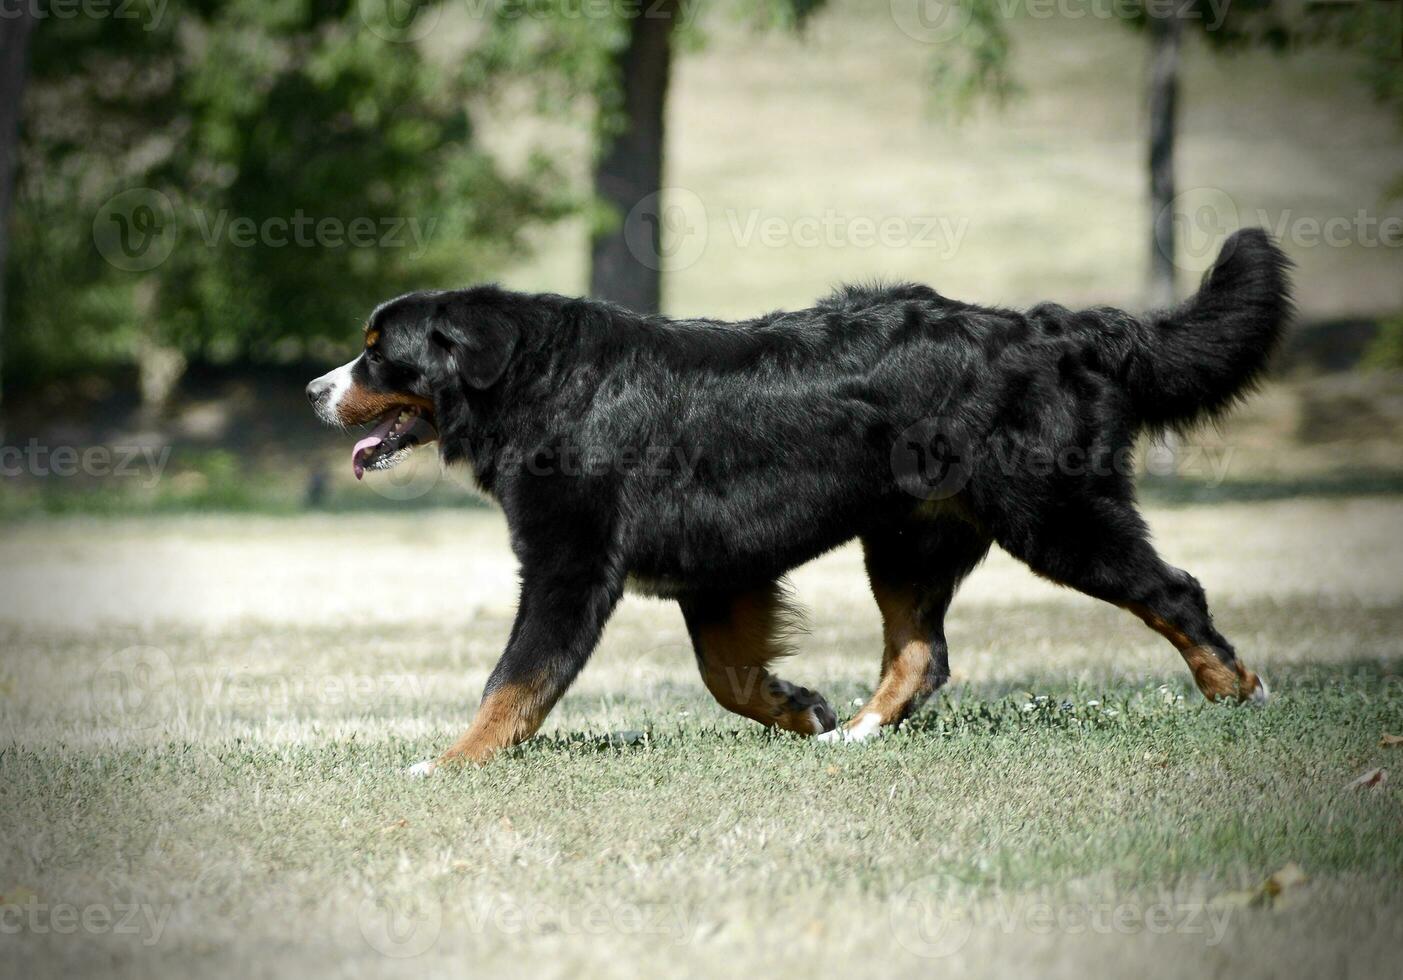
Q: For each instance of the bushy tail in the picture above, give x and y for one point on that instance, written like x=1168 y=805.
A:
x=1193 y=361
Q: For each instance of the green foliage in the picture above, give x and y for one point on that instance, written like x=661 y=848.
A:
x=300 y=160
x=1386 y=352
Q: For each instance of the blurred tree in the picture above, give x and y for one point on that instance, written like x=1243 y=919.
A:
x=247 y=179
x=628 y=174
x=1372 y=27
x=1276 y=25
x=15 y=29
x=627 y=247
x=1166 y=34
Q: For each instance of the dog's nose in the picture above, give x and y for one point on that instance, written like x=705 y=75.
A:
x=314 y=392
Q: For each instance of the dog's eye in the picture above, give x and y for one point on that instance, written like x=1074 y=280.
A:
x=374 y=356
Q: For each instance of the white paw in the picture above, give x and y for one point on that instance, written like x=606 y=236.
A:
x=1263 y=693
x=867 y=726
x=421 y=770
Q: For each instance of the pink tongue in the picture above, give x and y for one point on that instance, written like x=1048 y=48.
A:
x=377 y=436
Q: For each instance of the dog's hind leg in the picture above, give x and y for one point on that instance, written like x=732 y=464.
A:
x=914 y=573
x=737 y=636
x=1102 y=549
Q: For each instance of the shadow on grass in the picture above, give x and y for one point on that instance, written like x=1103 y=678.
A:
x=1324 y=694
x=1181 y=491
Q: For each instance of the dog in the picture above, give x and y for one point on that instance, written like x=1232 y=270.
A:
x=700 y=461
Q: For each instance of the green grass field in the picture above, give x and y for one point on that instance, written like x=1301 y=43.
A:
x=203 y=724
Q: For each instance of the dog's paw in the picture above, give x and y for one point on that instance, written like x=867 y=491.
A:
x=421 y=770
x=798 y=709
x=822 y=718
x=864 y=727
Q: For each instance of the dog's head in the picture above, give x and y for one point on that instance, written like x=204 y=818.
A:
x=421 y=351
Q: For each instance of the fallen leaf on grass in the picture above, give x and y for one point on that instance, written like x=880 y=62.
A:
x=1390 y=741
x=399 y=824
x=462 y=866
x=1266 y=894
x=1288 y=877
x=1371 y=779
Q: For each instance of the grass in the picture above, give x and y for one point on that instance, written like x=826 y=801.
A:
x=203 y=724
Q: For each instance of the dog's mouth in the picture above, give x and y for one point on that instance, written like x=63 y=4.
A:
x=396 y=432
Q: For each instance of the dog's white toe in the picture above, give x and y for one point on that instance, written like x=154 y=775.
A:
x=867 y=726
x=421 y=770
x=1263 y=693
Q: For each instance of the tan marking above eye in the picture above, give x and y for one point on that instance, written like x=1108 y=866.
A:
x=372 y=337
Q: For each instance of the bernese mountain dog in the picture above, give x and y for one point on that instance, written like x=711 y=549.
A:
x=699 y=461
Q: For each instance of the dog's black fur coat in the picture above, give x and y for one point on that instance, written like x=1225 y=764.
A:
x=781 y=433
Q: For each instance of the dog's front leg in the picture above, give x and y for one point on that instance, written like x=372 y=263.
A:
x=557 y=626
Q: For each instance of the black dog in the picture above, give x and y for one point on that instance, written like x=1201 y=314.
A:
x=700 y=461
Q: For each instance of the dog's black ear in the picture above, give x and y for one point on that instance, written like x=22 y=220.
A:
x=473 y=342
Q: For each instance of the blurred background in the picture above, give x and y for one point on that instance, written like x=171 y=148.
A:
x=202 y=201
x=212 y=674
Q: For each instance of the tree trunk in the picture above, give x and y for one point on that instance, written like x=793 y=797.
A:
x=1166 y=33
x=14 y=66
x=626 y=262
x=159 y=366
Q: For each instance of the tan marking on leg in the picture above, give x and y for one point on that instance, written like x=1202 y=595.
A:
x=1217 y=680
x=734 y=656
x=508 y=715
x=906 y=658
